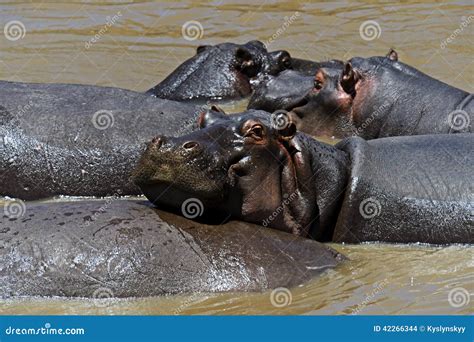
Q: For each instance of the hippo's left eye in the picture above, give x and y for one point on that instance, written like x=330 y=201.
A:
x=256 y=132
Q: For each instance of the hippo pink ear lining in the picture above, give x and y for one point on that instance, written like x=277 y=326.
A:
x=392 y=55
x=349 y=78
x=288 y=132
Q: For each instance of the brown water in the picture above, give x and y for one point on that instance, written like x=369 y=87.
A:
x=144 y=42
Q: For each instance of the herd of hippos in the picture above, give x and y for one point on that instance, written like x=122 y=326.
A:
x=398 y=174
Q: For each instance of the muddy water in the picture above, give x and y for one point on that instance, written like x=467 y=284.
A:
x=138 y=44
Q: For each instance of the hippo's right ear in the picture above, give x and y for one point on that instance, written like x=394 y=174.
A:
x=201 y=48
x=288 y=132
x=210 y=116
x=392 y=55
x=349 y=78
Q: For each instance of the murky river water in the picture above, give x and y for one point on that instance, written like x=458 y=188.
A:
x=142 y=42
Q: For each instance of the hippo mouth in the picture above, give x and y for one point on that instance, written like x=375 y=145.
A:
x=162 y=185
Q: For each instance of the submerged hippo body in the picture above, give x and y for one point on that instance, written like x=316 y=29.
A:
x=127 y=249
x=221 y=71
x=404 y=189
x=375 y=100
x=62 y=139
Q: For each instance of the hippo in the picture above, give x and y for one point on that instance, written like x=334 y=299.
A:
x=221 y=72
x=63 y=139
x=282 y=91
x=376 y=100
x=124 y=248
x=395 y=189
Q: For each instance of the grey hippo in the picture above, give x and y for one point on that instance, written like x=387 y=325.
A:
x=368 y=97
x=64 y=139
x=221 y=72
x=124 y=248
x=290 y=86
x=396 y=189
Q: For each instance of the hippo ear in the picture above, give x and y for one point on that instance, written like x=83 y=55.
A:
x=349 y=78
x=282 y=58
x=216 y=108
x=201 y=48
x=392 y=55
x=288 y=132
x=245 y=62
x=210 y=116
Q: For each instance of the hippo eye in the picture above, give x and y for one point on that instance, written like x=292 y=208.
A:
x=256 y=132
x=318 y=85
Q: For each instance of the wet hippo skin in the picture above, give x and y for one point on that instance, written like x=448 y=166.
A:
x=222 y=71
x=375 y=100
x=290 y=87
x=121 y=248
x=399 y=189
x=63 y=139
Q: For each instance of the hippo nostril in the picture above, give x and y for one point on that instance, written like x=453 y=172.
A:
x=190 y=145
x=157 y=141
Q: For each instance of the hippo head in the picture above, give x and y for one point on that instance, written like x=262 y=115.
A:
x=238 y=165
x=326 y=110
x=221 y=71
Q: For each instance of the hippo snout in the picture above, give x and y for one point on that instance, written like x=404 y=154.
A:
x=191 y=145
x=162 y=144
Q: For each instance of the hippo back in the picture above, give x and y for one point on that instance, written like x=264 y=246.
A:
x=72 y=115
x=127 y=249
x=409 y=189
